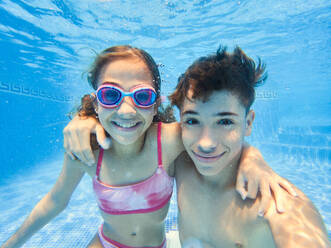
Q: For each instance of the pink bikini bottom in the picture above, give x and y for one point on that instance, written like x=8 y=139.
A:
x=109 y=243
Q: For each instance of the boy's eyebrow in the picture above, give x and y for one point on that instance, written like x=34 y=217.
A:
x=191 y=112
x=225 y=113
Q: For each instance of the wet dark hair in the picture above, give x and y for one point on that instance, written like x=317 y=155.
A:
x=235 y=72
x=88 y=102
x=119 y=52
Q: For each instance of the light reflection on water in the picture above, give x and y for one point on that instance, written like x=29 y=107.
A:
x=47 y=45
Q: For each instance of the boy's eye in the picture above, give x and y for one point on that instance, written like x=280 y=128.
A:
x=225 y=122
x=191 y=121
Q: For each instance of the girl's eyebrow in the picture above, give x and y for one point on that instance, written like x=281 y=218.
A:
x=110 y=82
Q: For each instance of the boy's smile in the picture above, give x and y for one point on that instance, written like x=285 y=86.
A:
x=213 y=131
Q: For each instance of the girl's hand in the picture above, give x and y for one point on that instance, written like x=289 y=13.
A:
x=77 y=136
x=254 y=174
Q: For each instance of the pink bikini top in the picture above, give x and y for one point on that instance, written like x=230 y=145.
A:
x=145 y=196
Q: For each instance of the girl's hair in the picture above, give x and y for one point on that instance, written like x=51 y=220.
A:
x=88 y=102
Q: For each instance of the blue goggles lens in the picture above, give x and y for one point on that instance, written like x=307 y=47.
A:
x=144 y=97
x=112 y=97
x=109 y=96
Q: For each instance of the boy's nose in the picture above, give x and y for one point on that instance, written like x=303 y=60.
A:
x=206 y=148
x=207 y=143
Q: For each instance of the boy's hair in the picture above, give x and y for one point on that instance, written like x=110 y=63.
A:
x=234 y=72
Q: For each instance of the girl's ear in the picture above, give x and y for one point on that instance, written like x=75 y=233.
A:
x=249 y=122
x=157 y=105
x=95 y=103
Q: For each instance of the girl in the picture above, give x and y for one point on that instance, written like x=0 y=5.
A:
x=133 y=180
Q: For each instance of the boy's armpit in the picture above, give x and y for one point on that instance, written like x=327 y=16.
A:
x=300 y=226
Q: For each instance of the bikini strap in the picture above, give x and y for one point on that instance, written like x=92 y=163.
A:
x=159 y=145
x=99 y=162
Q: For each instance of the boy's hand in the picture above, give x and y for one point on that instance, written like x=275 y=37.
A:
x=254 y=174
x=77 y=138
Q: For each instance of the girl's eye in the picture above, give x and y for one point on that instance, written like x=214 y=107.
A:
x=225 y=122
x=191 y=121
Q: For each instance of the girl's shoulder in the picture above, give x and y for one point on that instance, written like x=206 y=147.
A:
x=170 y=133
x=171 y=140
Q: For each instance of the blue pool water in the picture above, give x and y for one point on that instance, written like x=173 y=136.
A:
x=46 y=45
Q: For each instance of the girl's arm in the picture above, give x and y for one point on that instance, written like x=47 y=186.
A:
x=300 y=227
x=255 y=175
x=51 y=204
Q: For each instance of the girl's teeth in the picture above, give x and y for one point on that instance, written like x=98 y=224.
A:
x=126 y=125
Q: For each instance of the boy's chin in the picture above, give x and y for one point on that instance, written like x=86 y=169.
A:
x=209 y=170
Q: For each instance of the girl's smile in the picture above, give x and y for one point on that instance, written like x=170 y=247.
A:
x=125 y=122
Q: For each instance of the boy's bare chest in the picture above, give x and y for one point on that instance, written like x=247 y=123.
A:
x=215 y=218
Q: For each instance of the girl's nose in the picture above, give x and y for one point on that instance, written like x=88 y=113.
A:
x=126 y=108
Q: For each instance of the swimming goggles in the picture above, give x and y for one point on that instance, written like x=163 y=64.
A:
x=111 y=96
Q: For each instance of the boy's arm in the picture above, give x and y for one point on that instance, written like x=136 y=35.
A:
x=54 y=202
x=254 y=174
x=301 y=226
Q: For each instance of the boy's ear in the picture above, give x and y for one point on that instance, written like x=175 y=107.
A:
x=249 y=122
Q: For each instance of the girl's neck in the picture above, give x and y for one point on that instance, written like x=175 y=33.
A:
x=126 y=150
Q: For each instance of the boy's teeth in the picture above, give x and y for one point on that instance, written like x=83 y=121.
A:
x=126 y=125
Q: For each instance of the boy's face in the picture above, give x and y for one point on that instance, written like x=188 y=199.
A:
x=213 y=131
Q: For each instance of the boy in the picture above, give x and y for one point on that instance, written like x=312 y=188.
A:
x=214 y=97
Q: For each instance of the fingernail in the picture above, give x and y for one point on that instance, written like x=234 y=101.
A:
x=260 y=213
x=243 y=196
x=105 y=143
x=280 y=210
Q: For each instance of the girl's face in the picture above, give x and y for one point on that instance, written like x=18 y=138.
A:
x=126 y=123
